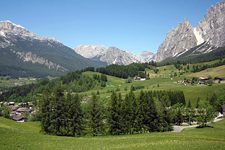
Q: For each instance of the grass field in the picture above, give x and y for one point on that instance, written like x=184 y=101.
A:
x=15 y=135
x=7 y=82
x=165 y=83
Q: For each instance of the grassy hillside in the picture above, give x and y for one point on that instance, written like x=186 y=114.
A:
x=162 y=81
x=14 y=135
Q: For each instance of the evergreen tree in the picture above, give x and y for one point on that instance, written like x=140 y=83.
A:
x=212 y=100
x=150 y=114
x=103 y=77
x=95 y=115
x=45 y=110
x=114 y=115
x=189 y=104
x=98 y=93
x=133 y=112
x=76 y=123
x=57 y=115
x=197 y=104
x=103 y=84
x=127 y=114
x=179 y=117
x=140 y=112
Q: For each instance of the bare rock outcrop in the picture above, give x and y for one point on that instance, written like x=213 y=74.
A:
x=210 y=30
x=178 y=40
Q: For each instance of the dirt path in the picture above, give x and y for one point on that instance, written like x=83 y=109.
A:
x=180 y=128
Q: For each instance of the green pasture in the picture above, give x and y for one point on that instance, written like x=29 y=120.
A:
x=14 y=135
x=191 y=92
x=7 y=82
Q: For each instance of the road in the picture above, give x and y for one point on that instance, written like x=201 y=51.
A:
x=180 y=128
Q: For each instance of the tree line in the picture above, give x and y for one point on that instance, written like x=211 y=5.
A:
x=122 y=71
x=72 y=82
x=63 y=114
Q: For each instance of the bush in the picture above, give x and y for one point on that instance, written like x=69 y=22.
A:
x=210 y=82
x=139 y=87
x=117 y=89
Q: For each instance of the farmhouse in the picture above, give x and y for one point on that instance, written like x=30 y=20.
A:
x=139 y=78
x=14 y=108
x=18 y=118
x=201 y=80
x=11 y=104
x=219 y=79
x=23 y=110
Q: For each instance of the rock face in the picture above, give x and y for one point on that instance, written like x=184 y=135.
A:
x=210 y=30
x=28 y=56
x=177 y=41
x=212 y=27
x=112 y=55
x=9 y=32
x=91 y=51
x=145 y=56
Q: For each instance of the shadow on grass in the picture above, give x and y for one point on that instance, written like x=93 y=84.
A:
x=204 y=126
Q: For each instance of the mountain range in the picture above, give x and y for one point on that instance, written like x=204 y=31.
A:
x=23 y=53
x=112 y=55
x=206 y=37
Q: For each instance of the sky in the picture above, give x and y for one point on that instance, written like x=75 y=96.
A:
x=131 y=25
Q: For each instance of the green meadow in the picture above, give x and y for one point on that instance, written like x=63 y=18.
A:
x=7 y=82
x=163 y=81
x=14 y=135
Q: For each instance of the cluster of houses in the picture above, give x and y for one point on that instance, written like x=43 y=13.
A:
x=183 y=81
x=19 y=83
x=201 y=80
x=17 y=111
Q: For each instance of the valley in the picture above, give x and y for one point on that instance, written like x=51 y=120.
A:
x=95 y=97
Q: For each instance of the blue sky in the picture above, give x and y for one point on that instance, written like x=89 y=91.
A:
x=132 y=25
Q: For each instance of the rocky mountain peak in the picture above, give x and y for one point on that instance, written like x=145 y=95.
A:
x=112 y=55
x=90 y=51
x=9 y=32
x=211 y=28
x=177 y=40
x=9 y=26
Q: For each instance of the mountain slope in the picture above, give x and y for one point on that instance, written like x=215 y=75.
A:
x=210 y=30
x=43 y=53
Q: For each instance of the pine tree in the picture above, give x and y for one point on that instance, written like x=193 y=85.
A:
x=57 y=106
x=127 y=114
x=133 y=112
x=212 y=100
x=95 y=116
x=44 y=106
x=189 y=104
x=197 y=104
x=76 y=123
x=179 y=117
x=141 y=112
x=114 y=116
